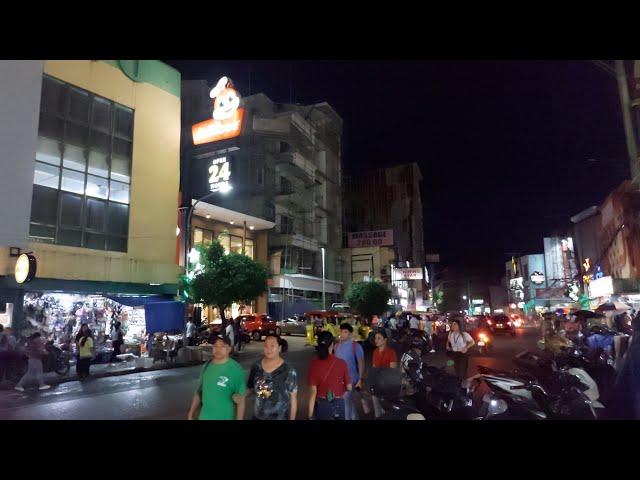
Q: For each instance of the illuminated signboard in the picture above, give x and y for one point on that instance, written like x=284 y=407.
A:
x=25 y=268
x=227 y=115
x=601 y=287
x=537 y=278
x=477 y=301
x=378 y=238
x=219 y=175
x=408 y=273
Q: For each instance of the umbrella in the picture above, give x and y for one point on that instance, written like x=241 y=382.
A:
x=611 y=306
x=587 y=314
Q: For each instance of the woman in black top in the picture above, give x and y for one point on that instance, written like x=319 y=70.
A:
x=275 y=384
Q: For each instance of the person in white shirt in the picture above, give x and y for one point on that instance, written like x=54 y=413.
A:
x=414 y=323
x=191 y=333
x=230 y=334
x=459 y=343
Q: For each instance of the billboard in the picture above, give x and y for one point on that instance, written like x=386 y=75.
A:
x=408 y=273
x=377 y=238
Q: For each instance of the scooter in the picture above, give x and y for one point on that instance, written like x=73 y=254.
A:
x=484 y=340
x=386 y=385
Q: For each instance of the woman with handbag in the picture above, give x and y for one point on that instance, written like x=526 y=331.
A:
x=458 y=344
x=328 y=382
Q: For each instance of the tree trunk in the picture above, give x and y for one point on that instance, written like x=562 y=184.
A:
x=224 y=319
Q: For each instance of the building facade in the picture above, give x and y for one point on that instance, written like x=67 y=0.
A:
x=285 y=170
x=89 y=152
x=390 y=199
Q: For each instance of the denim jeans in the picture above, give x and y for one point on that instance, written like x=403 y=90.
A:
x=350 y=405
x=334 y=410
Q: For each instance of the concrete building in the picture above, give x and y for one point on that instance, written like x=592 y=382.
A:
x=286 y=170
x=89 y=154
x=390 y=199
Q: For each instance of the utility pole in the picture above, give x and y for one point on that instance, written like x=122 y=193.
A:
x=625 y=103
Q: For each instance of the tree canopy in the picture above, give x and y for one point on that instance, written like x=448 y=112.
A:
x=369 y=298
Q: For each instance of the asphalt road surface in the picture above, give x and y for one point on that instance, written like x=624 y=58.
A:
x=166 y=394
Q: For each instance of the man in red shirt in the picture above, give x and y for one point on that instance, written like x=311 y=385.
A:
x=328 y=381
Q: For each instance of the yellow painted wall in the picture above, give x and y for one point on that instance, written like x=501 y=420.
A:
x=154 y=184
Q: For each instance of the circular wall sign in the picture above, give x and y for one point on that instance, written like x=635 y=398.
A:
x=537 y=278
x=25 y=268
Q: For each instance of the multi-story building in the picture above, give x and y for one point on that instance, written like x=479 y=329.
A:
x=525 y=278
x=390 y=199
x=285 y=170
x=89 y=154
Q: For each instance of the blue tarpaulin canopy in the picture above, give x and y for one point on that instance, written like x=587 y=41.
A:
x=138 y=300
x=164 y=317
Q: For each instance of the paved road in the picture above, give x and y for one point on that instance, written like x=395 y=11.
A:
x=166 y=394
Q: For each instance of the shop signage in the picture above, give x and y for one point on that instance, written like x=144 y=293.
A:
x=601 y=287
x=377 y=238
x=408 y=273
x=537 y=278
x=516 y=283
x=219 y=175
x=227 y=115
x=25 y=268
x=477 y=301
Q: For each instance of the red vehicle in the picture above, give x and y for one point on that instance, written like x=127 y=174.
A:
x=258 y=325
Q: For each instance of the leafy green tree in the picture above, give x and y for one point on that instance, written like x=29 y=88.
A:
x=368 y=298
x=219 y=280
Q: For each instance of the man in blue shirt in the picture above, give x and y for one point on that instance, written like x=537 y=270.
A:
x=352 y=353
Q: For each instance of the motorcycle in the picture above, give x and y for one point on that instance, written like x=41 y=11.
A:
x=518 y=395
x=57 y=360
x=484 y=340
x=386 y=385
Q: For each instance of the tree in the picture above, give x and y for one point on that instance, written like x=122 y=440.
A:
x=220 y=280
x=369 y=298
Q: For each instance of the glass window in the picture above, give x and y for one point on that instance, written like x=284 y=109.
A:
x=44 y=205
x=124 y=122
x=49 y=126
x=121 y=148
x=119 y=192
x=71 y=210
x=48 y=151
x=98 y=163
x=94 y=240
x=53 y=96
x=236 y=244
x=248 y=248
x=101 y=115
x=99 y=141
x=117 y=244
x=225 y=240
x=197 y=236
x=118 y=219
x=74 y=158
x=76 y=134
x=72 y=181
x=46 y=175
x=79 y=105
x=97 y=187
x=207 y=237
x=73 y=238
x=95 y=214
x=121 y=168
x=42 y=233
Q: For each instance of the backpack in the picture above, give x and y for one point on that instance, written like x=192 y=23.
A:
x=353 y=350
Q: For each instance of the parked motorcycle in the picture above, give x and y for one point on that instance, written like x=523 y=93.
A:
x=386 y=385
x=57 y=360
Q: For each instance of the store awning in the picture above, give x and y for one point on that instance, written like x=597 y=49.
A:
x=139 y=300
x=164 y=317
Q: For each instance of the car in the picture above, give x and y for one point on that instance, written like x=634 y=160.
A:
x=259 y=325
x=294 y=325
x=498 y=324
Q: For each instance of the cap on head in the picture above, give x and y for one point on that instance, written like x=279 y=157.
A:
x=224 y=338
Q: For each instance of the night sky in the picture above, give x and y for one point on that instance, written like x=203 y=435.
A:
x=509 y=150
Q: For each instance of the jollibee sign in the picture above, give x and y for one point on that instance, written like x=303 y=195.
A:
x=227 y=115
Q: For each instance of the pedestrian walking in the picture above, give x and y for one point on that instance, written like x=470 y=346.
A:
x=383 y=357
x=625 y=396
x=458 y=344
x=230 y=334
x=428 y=331
x=86 y=350
x=117 y=339
x=328 y=382
x=236 y=334
x=414 y=323
x=353 y=354
x=275 y=384
x=221 y=390
x=35 y=351
x=191 y=333
x=7 y=351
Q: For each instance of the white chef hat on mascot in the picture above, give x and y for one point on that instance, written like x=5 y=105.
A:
x=222 y=84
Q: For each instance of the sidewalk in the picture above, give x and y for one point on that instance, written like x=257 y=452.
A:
x=249 y=353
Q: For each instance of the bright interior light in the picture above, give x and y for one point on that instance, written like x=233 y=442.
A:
x=232 y=222
x=251 y=227
x=225 y=188
x=208 y=216
x=177 y=231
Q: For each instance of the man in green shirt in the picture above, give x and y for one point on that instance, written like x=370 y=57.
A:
x=220 y=394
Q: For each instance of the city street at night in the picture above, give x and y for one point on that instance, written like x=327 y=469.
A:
x=166 y=394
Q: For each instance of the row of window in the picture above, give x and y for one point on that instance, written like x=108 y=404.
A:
x=82 y=178
x=230 y=243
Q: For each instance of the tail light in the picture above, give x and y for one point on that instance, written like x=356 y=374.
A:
x=489 y=322
x=510 y=323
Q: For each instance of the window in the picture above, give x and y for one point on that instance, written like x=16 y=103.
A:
x=284 y=147
x=286 y=225
x=260 y=176
x=83 y=169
